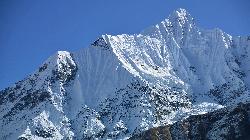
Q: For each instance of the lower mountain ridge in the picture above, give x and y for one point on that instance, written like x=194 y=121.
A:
x=229 y=123
x=171 y=81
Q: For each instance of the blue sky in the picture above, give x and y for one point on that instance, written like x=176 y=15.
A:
x=32 y=30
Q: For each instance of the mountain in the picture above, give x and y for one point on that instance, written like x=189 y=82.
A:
x=123 y=85
x=227 y=123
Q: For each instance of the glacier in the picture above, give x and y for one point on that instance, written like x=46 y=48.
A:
x=122 y=85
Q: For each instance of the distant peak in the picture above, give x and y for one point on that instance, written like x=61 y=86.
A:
x=63 y=53
x=181 y=12
x=181 y=15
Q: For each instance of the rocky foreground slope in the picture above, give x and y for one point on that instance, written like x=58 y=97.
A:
x=123 y=85
x=229 y=123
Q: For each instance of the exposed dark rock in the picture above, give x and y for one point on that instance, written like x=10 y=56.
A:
x=158 y=133
x=44 y=67
x=48 y=133
x=100 y=42
x=66 y=73
x=227 y=124
x=220 y=92
x=192 y=68
x=30 y=101
x=22 y=138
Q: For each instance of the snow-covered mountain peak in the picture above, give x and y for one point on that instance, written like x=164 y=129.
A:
x=181 y=12
x=178 y=26
x=181 y=15
x=124 y=84
x=60 y=66
x=54 y=61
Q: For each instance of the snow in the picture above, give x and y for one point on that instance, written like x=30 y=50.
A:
x=124 y=84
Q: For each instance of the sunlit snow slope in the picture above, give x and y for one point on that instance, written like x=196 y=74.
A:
x=122 y=85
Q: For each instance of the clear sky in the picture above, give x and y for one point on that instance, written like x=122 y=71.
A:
x=32 y=30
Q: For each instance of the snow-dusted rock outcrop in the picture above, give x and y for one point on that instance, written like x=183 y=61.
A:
x=122 y=85
x=223 y=124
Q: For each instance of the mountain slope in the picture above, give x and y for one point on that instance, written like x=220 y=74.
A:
x=227 y=123
x=125 y=84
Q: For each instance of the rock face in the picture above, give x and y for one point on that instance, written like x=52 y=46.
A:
x=223 y=124
x=123 y=85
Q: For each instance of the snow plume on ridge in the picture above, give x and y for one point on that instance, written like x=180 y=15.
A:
x=122 y=85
